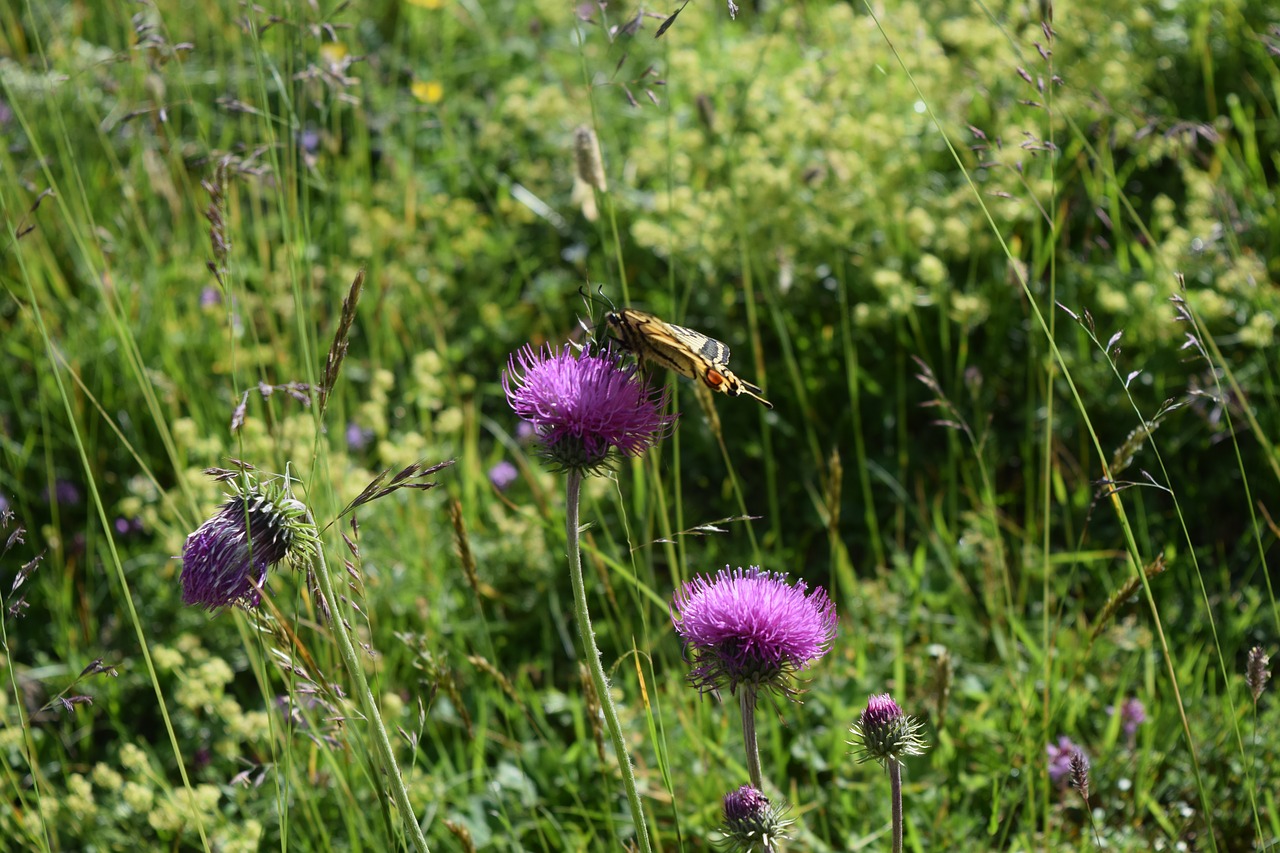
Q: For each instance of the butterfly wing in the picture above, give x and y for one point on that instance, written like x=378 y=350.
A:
x=714 y=364
x=652 y=340
x=686 y=351
x=708 y=348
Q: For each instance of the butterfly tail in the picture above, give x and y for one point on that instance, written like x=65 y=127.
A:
x=754 y=392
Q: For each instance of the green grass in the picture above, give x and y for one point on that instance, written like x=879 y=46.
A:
x=853 y=202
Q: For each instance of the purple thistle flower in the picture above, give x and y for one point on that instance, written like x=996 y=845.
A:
x=1132 y=715
x=358 y=437
x=584 y=406
x=751 y=627
x=64 y=492
x=884 y=734
x=503 y=475
x=1060 y=755
x=751 y=823
x=210 y=296
x=225 y=561
x=127 y=526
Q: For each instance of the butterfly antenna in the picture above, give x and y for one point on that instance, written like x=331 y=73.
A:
x=594 y=331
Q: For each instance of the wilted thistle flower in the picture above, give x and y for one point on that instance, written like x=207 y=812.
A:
x=751 y=627
x=751 y=823
x=225 y=561
x=884 y=734
x=585 y=406
x=1256 y=672
x=1060 y=755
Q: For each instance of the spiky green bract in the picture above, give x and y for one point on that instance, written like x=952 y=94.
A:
x=884 y=734
x=225 y=561
x=584 y=406
x=751 y=823
x=751 y=627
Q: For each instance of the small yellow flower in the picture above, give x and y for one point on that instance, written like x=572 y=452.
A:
x=427 y=4
x=333 y=52
x=428 y=91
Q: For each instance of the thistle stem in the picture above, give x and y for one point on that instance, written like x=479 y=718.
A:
x=594 y=666
x=380 y=739
x=747 y=701
x=895 y=792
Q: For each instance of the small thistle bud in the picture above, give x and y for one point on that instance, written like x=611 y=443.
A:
x=225 y=561
x=1256 y=672
x=1079 y=768
x=884 y=733
x=750 y=823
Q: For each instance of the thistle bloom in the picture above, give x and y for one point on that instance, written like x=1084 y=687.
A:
x=751 y=823
x=1060 y=755
x=358 y=437
x=225 y=561
x=502 y=475
x=884 y=734
x=751 y=628
x=584 y=406
x=1132 y=715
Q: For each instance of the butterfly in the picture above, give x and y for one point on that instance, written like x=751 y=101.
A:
x=685 y=351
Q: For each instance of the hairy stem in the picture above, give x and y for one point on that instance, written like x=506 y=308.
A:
x=747 y=700
x=895 y=791
x=594 y=666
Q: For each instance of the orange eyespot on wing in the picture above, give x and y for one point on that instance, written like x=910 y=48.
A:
x=685 y=351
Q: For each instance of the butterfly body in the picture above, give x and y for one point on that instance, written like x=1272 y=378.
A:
x=686 y=351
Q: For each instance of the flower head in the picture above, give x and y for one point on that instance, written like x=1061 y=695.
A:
x=225 y=561
x=751 y=823
x=883 y=733
x=1132 y=714
x=751 y=627
x=64 y=492
x=358 y=437
x=1060 y=755
x=502 y=475
x=585 y=406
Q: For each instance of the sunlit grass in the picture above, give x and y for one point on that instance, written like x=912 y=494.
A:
x=950 y=272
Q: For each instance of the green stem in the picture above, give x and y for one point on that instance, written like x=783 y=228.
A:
x=380 y=738
x=594 y=666
x=747 y=701
x=895 y=788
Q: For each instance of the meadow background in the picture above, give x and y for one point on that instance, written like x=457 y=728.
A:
x=879 y=208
